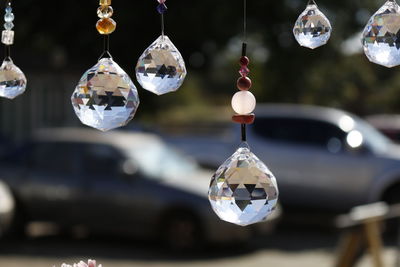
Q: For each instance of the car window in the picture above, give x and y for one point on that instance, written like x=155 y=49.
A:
x=101 y=160
x=55 y=157
x=301 y=131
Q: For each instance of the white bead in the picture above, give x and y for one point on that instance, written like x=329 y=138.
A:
x=7 y=37
x=243 y=102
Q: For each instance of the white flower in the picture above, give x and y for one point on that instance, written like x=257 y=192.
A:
x=91 y=263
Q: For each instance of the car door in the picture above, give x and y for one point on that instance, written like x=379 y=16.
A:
x=115 y=201
x=53 y=184
x=310 y=160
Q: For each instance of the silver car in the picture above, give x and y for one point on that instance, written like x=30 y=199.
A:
x=323 y=158
x=116 y=182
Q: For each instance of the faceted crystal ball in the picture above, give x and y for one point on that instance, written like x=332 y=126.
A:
x=312 y=28
x=12 y=80
x=161 y=69
x=243 y=191
x=105 y=97
x=381 y=40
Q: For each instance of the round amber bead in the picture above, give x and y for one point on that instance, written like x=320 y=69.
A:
x=106 y=26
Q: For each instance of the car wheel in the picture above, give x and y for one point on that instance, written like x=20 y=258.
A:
x=182 y=232
x=392 y=197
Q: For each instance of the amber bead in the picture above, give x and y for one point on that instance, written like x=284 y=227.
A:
x=244 y=83
x=244 y=119
x=244 y=61
x=106 y=26
x=105 y=2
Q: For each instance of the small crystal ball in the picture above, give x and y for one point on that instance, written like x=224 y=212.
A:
x=312 y=28
x=12 y=80
x=161 y=69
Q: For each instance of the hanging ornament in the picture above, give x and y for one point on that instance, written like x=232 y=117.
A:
x=161 y=68
x=243 y=191
x=12 y=79
x=312 y=28
x=105 y=97
x=380 y=37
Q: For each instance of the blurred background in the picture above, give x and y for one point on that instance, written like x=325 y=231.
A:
x=332 y=148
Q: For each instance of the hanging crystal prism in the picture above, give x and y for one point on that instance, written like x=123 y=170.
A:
x=105 y=97
x=381 y=40
x=161 y=68
x=312 y=28
x=12 y=80
x=243 y=191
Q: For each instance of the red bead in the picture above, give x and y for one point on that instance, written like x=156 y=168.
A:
x=244 y=119
x=244 y=83
x=244 y=61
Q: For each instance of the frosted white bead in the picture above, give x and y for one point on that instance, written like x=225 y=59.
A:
x=7 y=37
x=243 y=102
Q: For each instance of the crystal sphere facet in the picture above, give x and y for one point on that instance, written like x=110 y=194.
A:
x=243 y=191
x=161 y=69
x=105 y=97
x=312 y=28
x=381 y=40
x=12 y=80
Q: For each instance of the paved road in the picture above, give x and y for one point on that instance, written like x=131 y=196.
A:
x=304 y=249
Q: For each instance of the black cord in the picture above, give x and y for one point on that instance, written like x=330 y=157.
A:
x=244 y=49
x=244 y=135
x=106 y=46
x=7 y=50
x=244 y=20
x=311 y=2
x=244 y=52
x=162 y=24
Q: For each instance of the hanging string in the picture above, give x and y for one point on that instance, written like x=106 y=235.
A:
x=7 y=48
x=244 y=20
x=244 y=53
x=311 y=2
x=162 y=25
x=106 y=47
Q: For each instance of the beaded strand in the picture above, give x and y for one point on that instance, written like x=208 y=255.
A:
x=244 y=102
x=7 y=36
x=106 y=25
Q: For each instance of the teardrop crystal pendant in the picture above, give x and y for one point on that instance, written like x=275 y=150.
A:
x=12 y=80
x=243 y=191
x=381 y=40
x=105 y=97
x=161 y=69
x=312 y=28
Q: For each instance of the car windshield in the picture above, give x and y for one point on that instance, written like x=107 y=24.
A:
x=159 y=161
x=373 y=138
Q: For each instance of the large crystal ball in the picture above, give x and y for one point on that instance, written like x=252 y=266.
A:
x=381 y=36
x=105 y=97
x=243 y=191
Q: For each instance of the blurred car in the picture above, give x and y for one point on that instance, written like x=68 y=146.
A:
x=323 y=158
x=7 y=208
x=116 y=182
x=389 y=125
